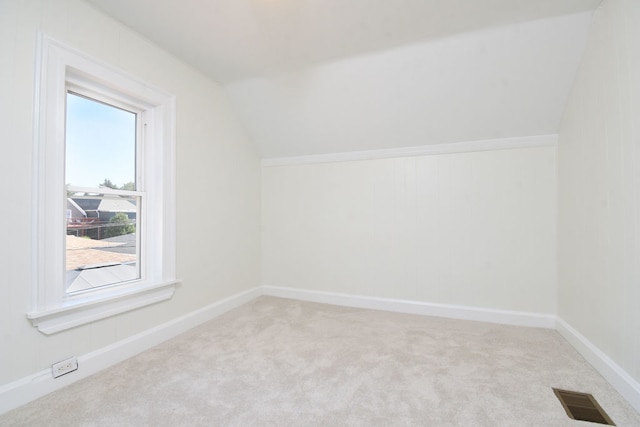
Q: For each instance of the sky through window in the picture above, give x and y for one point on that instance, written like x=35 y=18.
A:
x=100 y=143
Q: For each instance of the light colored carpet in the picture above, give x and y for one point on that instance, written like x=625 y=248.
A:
x=278 y=362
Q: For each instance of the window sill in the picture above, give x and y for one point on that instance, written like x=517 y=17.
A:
x=81 y=312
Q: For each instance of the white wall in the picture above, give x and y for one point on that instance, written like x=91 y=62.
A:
x=507 y=81
x=599 y=190
x=474 y=229
x=218 y=183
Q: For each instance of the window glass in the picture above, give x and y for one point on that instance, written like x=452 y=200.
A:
x=100 y=144
x=101 y=239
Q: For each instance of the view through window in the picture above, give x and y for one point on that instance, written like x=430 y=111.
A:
x=102 y=201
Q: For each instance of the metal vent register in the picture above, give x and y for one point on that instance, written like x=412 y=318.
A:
x=582 y=406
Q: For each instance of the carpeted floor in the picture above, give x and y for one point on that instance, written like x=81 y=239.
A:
x=278 y=362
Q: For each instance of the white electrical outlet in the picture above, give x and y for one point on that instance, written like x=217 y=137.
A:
x=64 y=367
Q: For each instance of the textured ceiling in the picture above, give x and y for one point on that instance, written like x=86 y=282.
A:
x=320 y=76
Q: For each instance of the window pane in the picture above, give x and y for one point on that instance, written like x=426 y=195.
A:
x=100 y=144
x=101 y=240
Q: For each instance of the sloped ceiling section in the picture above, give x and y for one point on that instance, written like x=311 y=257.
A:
x=502 y=82
x=323 y=76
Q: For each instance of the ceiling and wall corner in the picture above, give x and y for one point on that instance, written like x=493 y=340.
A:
x=503 y=82
x=320 y=77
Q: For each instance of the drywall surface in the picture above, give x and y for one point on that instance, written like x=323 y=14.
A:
x=507 y=81
x=218 y=182
x=235 y=40
x=474 y=229
x=599 y=189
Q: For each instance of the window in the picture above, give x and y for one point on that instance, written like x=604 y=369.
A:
x=101 y=239
x=104 y=222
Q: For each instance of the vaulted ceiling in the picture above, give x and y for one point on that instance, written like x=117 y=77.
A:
x=320 y=76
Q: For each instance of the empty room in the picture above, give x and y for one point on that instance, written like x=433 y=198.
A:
x=320 y=212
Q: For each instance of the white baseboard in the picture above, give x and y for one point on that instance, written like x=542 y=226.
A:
x=29 y=388
x=417 y=307
x=610 y=370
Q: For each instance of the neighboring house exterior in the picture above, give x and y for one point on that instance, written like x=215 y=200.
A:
x=88 y=215
x=74 y=212
x=102 y=208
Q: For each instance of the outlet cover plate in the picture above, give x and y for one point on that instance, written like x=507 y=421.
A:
x=64 y=367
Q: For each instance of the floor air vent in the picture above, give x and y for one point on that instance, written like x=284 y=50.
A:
x=582 y=406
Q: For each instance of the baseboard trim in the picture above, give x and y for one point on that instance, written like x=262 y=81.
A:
x=29 y=388
x=515 y=318
x=610 y=370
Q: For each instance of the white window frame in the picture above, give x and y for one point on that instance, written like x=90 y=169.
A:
x=59 y=69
